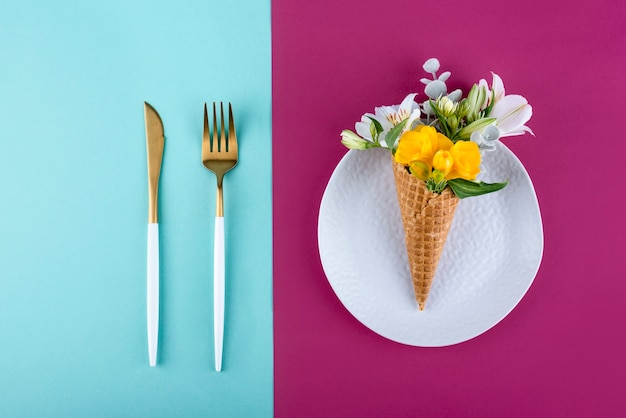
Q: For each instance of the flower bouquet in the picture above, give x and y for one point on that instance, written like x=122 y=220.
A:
x=436 y=148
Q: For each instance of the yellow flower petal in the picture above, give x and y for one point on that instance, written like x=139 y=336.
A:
x=420 y=170
x=421 y=144
x=466 y=156
x=408 y=147
x=443 y=161
x=444 y=142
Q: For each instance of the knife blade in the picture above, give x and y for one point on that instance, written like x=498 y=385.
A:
x=155 y=143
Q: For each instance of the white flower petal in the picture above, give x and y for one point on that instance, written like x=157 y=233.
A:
x=497 y=86
x=516 y=132
x=520 y=131
x=527 y=129
x=385 y=115
x=514 y=120
x=363 y=127
x=511 y=112
x=408 y=103
x=381 y=139
x=415 y=115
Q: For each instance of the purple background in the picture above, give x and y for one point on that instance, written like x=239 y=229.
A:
x=560 y=352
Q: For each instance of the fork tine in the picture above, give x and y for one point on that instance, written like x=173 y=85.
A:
x=232 y=134
x=215 y=144
x=222 y=129
x=205 y=130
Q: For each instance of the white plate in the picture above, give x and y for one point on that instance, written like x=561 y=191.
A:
x=491 y=257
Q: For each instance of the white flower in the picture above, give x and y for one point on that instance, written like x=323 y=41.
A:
x=511 y=112
x=388 y=117
x=363 y=128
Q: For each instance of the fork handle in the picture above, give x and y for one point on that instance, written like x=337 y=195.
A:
x=218 y=290
x=152 y=291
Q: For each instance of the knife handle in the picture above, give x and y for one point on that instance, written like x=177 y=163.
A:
x=153 y=292
x=218 y=291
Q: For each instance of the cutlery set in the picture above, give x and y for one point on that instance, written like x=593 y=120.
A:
x=219 y=155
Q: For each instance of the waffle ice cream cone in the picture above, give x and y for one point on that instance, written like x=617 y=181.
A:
x=426 y=217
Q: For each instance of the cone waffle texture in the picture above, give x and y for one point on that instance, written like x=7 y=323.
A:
x=426 y=217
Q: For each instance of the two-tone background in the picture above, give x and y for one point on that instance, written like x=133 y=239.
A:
x=73 y=207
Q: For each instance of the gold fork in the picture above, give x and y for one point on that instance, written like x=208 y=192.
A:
x=219 y=154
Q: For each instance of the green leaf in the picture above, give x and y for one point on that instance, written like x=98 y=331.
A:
x=394 y=133
x=442 y=120
x=377 y=125
x=465 y=188
x=466 y=132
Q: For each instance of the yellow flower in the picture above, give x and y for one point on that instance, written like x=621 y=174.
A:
x=466 y=156
x=421 y=144
x=420 y=170
x=443 y=162
x=424 y=149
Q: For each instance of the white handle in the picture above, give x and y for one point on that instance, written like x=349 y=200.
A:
x=218 y=291
x=153 y=292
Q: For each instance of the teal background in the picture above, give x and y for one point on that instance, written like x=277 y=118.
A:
x=73 y=208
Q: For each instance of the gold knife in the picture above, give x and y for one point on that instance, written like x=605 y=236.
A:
x=155 y=143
